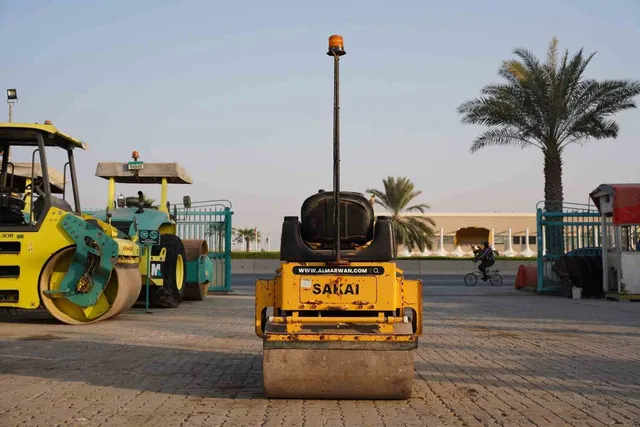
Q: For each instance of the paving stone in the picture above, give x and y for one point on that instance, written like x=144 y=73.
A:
x=485 y=359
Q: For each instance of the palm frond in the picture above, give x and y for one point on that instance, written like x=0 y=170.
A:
x=547 y=105
x=502 y=137
x=396 y=198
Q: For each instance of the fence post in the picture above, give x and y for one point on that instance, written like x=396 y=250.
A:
x=227 y=249
x=540 y=248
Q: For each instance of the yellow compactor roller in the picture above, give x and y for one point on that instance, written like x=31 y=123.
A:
x=338 y=320
x=50 y=254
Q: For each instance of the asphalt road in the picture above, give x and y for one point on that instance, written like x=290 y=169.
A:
x=245 y=283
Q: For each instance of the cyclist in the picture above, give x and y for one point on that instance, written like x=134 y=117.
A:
x=486 y=258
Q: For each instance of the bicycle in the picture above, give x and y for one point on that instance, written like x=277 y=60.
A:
x=495 y=278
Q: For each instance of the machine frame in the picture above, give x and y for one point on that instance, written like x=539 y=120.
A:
x=51 y=254
x=193 y=269
x=338 y=320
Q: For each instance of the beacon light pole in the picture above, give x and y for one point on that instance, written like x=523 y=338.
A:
x=336 y=49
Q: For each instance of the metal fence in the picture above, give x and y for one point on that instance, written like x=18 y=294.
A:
x=210 y=221
x=575 y=229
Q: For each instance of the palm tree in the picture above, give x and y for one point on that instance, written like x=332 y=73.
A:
x=410 y=231
x=549 y=106
x=149 y=203
x=217 y=231
x=246 y=235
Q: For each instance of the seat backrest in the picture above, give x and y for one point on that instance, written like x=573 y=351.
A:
x=38 y=206
x=356 y=219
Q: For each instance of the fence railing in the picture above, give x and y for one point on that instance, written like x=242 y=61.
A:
x=571 y=229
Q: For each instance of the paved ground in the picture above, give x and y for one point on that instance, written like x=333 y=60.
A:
x=488 y=357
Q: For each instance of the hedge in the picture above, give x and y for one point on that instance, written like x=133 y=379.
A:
x=276 y=255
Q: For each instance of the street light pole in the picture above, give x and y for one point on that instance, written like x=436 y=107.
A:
x=336 y=49
x=12 y=98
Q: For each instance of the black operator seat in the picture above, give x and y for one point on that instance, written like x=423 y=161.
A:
x=356 y=220
x=56 y=202
x=363 y=238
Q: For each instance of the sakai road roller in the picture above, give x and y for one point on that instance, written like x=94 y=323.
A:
x=338 y=320
x=50 y=254
x=180 y=269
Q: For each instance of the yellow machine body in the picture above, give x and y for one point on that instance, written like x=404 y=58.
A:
x=50 y=254
x=35 y=249
x=338 y=320
x=365 y=300
x=338 y=335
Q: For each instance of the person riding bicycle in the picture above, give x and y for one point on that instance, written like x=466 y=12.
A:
x=486 y=258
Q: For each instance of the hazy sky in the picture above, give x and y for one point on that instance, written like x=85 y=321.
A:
x=240 y=93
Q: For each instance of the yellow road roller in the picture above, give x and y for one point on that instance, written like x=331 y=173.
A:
x=338 y=320
x=80 y=269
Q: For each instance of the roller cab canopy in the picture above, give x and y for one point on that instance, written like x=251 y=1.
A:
x=22 y=171
x=24 y=134
x=151 y=173
x=620 y=201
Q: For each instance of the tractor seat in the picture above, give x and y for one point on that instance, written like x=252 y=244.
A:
x=38 y=206
x=356 y=219
x=11 y=207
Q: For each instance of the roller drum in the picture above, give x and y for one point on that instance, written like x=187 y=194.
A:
x=121 y=291
x=194 y=248
x=129 y=287
x=338 y=374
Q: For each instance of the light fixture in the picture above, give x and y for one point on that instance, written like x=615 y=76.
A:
x=12 y=95
x=336 y=45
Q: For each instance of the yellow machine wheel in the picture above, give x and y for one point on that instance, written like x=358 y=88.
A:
x=120 y=293
x=171 y=293
x=180 y=273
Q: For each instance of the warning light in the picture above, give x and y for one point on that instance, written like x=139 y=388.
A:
x=336 y=46
x=135 y=155
x=48 y=122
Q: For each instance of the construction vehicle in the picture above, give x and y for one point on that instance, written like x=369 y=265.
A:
x=180 y=269
x=338 y=320
x=80 y=269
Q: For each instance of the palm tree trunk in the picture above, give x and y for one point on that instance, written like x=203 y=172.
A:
x=554 y=198
x=553 y=192
x=248 y=242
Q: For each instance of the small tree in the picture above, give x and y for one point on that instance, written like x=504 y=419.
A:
x=410 y=231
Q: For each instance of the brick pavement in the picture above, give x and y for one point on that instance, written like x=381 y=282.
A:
x=484 y=360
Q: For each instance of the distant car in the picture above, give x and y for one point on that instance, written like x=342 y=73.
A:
x=588 y=251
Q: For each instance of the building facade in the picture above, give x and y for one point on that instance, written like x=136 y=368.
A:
x=511 y=234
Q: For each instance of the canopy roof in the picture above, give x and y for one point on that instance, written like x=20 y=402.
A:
x=151 y=173
x=621 y=201
x=25 y=134
x=22 y=172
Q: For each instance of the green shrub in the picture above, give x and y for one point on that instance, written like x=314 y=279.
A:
x=255 y=255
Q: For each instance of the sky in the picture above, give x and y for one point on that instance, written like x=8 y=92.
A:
x=241 y=94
